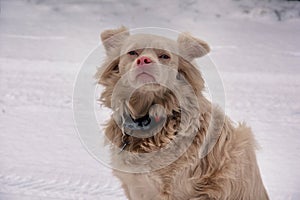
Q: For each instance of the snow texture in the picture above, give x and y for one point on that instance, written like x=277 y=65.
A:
x=255 y=46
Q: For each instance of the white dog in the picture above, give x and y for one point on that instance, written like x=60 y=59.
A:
x=158 y=91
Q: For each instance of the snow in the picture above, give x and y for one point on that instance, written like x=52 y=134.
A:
x=255 y=48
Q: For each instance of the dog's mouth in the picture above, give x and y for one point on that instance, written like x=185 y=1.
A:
x=143 y=130
x=143 y=127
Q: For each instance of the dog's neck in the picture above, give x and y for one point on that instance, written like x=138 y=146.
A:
x=142 y=128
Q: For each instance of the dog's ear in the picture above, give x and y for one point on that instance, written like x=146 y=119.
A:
x=190 y=74
x=112 y=39
x=190 y=47
x=108 y=75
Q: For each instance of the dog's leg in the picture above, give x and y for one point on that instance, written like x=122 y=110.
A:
x=126 y=190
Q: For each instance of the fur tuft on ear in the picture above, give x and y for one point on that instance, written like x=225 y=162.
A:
x=192 y=75
x=190 y=47
x=112 y=39
x=108 y=75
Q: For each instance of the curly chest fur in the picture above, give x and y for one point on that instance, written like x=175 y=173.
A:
x=228 y=171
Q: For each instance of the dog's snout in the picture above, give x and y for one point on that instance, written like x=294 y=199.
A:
x=143 y=60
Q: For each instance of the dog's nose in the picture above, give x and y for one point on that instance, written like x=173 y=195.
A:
x=143 y=60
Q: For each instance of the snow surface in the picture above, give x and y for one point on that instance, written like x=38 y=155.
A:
x=255 y=46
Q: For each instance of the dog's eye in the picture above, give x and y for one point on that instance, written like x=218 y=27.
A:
x=164 y=56
x=133 y=53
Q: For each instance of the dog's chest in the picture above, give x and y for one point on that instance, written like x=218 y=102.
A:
x=140 y=186
x=155 y=185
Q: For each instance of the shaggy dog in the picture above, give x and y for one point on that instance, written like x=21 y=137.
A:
x=168 y=142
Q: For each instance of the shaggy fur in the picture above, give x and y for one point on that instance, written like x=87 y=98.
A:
x=211 y=159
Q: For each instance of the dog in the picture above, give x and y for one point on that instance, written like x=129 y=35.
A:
x=168 y=142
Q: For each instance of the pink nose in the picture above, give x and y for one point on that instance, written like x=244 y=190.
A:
x=143 y=60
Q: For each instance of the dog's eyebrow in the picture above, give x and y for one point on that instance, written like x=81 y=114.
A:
x=162 y=51
x=126 y=50
x=156 y=50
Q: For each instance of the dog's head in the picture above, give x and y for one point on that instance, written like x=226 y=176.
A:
x=149 y=64
x=143 y=58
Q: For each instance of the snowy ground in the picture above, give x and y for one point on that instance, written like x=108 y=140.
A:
x=255 y=47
